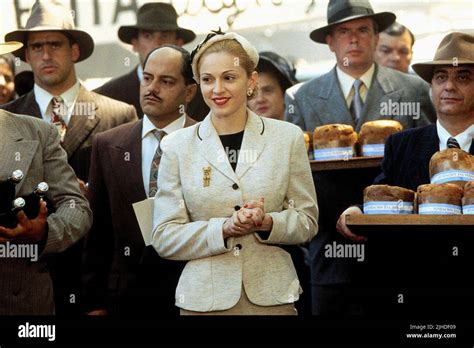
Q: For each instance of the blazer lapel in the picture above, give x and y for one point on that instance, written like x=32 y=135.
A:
x=252 y=143
x=381 y=87
x=31 y=107
x=336 y=104
x=212 y=150
x=17 y=154
x=80 y=126
x=126 y=157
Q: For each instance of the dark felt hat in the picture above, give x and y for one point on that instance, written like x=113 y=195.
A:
x=340 y=11
x=156 y=16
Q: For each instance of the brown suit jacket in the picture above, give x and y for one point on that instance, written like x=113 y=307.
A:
x=108 y=113
x=111 y=276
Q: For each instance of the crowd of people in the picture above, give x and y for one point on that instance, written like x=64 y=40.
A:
x=215 y=138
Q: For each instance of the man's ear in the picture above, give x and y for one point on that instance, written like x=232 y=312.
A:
x=179 y=41
x=134 y=43
x=190 y=92
x=76 y=52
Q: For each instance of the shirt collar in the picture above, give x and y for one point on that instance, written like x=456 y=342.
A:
x=148 y=126
x=346 y=81
x=43 y=97
x=464 y=139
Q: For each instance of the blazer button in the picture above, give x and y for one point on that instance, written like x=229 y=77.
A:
x=237 y=208
x=238 y=246
x=235 y=187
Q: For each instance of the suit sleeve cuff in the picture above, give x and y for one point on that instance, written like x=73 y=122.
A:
x=278 y=230
x=215 y=238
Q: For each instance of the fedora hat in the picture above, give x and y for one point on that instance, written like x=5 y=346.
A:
x=340 y=11
x=279 y=64
x=52 y=16
x=7 y=47
x=455 y=49
x=156 y=16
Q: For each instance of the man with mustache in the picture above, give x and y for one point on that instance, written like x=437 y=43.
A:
x=59 y=98
x=135 y=281
x=352 y=93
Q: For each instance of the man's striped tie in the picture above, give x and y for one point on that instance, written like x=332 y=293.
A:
x=453 y=144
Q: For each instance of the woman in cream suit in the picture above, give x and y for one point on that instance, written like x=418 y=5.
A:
x=231 y=189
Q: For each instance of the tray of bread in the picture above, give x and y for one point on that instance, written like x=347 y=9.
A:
x=447 y=201
x=338 y=146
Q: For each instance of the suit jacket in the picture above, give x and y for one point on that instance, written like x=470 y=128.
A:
x=188 y=216
x=32 y=146
x=320 y=101
x=111 y=276
x=407 y=157
x=126 y=88
x=81 y=130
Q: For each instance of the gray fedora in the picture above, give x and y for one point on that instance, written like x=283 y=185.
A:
x=340 y=11
x=52 y=16
x=456 y=49
x=156 y=16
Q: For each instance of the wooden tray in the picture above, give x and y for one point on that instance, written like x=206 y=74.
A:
x=363 y=224
x=351 y=163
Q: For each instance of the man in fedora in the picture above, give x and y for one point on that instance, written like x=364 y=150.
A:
x=32 y=146
x=408 y=153
x=52 y=46
x=156 y=25
x=355 y=91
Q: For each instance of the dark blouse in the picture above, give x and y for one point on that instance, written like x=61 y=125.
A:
x=232 y=144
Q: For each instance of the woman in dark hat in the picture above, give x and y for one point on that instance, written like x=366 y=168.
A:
x=275 y=75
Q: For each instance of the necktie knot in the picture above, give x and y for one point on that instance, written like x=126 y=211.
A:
x=453 y=143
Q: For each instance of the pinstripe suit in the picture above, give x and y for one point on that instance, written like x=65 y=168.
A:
x=33 y=146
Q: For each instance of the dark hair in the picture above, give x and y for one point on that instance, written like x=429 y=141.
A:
x=397 y=29
x=186 y=70
x=266 y=67
x=9 y=60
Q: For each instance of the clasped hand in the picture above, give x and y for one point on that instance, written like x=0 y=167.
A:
x=248 y=219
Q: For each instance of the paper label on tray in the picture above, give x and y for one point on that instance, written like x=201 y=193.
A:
x=468 y=209
x=439 y=208
x=333 y=153
x=452 y=175
x=373 y=149
x=389 y=207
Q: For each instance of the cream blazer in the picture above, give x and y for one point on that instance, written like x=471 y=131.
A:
x=188 y=215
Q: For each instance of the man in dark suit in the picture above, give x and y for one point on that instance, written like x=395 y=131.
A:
x=59 y=98
x=408 y=154
x=355 y=91
x=156 y=25
x=33 y=147
x=122 y=277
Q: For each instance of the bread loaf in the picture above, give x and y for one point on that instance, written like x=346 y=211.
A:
x=373 y=134
x=385 y=199
x=451 y=166
x=334 y=141
x=468 y=198
x=439 y=199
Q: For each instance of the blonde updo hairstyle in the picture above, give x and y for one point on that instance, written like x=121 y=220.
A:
x=236 y=50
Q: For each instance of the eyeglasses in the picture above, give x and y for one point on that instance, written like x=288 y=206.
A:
x=208 y=37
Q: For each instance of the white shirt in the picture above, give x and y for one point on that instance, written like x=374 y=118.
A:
x=150 y=144
x=464 y=139
x=347 y=81
x=43 y=98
